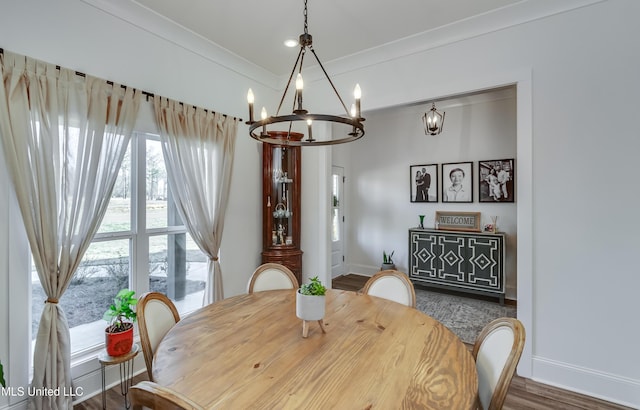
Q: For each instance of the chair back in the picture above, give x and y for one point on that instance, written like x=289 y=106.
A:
x=150 y=395
x=497 y=352
x=156 y=315
x=392 y=285
x=271 y=276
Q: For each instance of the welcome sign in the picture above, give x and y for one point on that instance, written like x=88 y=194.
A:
x=458 y=221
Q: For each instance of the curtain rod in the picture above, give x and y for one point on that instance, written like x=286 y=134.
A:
x=145 y=93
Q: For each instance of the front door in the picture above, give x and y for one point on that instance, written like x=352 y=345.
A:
x=337 y=222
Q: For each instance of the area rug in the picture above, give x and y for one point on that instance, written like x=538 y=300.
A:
x=464 y=316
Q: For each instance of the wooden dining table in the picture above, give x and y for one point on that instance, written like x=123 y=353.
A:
x=247 y=352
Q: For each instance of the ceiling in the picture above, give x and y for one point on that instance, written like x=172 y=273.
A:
x=256 y=29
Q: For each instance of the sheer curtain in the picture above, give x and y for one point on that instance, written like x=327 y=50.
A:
x=198 y=148
x=64 y=137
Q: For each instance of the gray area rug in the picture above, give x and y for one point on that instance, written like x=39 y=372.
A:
x=464 y=316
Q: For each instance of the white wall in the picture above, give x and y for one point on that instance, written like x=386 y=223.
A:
x=379 y=211
x=77 y=35
x=580 y=68
x=581 y=301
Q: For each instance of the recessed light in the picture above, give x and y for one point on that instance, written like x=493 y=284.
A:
x=290 y=42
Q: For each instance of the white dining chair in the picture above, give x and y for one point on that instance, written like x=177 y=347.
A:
x=497 y=351
x=392 y=285
x=272 y=276
x=156 y=315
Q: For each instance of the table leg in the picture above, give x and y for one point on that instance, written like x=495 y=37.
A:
x=104 y=393
x=126 y=379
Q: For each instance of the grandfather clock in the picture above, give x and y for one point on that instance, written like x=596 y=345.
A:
x=281 y=203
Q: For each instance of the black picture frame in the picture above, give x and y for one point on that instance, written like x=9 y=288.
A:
x=415 y=172
x=496 y=180
x=451 y=193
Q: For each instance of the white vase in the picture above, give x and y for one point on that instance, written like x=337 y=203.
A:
x=309 y=307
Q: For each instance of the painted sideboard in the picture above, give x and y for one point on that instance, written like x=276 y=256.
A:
x=462 y=261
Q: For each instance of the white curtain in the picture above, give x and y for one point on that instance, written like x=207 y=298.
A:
x=64 y=137
x=198 y=148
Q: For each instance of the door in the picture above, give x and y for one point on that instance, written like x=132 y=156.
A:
x=337 y=222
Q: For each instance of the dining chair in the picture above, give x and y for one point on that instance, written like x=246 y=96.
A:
x=156 y=315
x=151 y=395
x=271 y=276
x=393 y=285
x=497 y=351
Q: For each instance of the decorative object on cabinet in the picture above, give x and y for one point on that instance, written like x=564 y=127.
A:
x=458 y=221
x=281 y=203
x=433 y=121
x=496 y=180
x=457 y=182
x=424 y=183
x=462 y=261
x=351 y=121
x=310 y=304
x=421 y=225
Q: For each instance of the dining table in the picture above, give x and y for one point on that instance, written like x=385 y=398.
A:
x=247 y=352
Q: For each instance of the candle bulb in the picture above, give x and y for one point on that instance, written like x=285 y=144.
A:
x=250 y=100
x=299 y=87
x=357 y=93
x=309 y=122
x=263 y=115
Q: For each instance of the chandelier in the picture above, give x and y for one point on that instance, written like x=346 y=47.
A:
x=433 y=121
x=351 y=122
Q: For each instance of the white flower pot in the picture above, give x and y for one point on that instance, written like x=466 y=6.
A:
x=309 y=307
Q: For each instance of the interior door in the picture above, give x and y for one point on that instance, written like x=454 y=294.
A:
x=337 y=222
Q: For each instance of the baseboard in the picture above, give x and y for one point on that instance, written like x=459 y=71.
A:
x=604 y=386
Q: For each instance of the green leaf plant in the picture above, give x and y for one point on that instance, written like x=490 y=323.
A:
x=387 y=257
x=2 y=382
x=314 y=288
x=120 y=314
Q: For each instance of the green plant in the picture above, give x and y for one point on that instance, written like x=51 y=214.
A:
x=314 y=288
x=2 y=382
x=120 y=314
x=387 y=257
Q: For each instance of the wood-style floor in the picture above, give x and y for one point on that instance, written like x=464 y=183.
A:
x=523 y=394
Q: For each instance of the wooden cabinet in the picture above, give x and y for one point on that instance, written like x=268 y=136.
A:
x=461 y=261
x=281 y=203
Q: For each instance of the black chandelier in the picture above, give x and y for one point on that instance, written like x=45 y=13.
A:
x=352 y=121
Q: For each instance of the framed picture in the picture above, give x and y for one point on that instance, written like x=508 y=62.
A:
x=458 y=221
x=457 y=182
x=496 y=180
x=424 y=183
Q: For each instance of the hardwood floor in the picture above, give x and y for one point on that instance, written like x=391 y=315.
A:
x=523 y=394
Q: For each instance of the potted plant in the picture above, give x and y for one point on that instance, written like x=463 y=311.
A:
x=387 y=261
x=120 y=315
x=310 y=303
x=2 y=382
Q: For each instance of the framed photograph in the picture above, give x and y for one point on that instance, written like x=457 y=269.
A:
x=457 y=182
x=458 y=221
x=496 y=180
x=424 y=183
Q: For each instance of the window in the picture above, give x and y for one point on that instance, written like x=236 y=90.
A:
x=141 y=244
